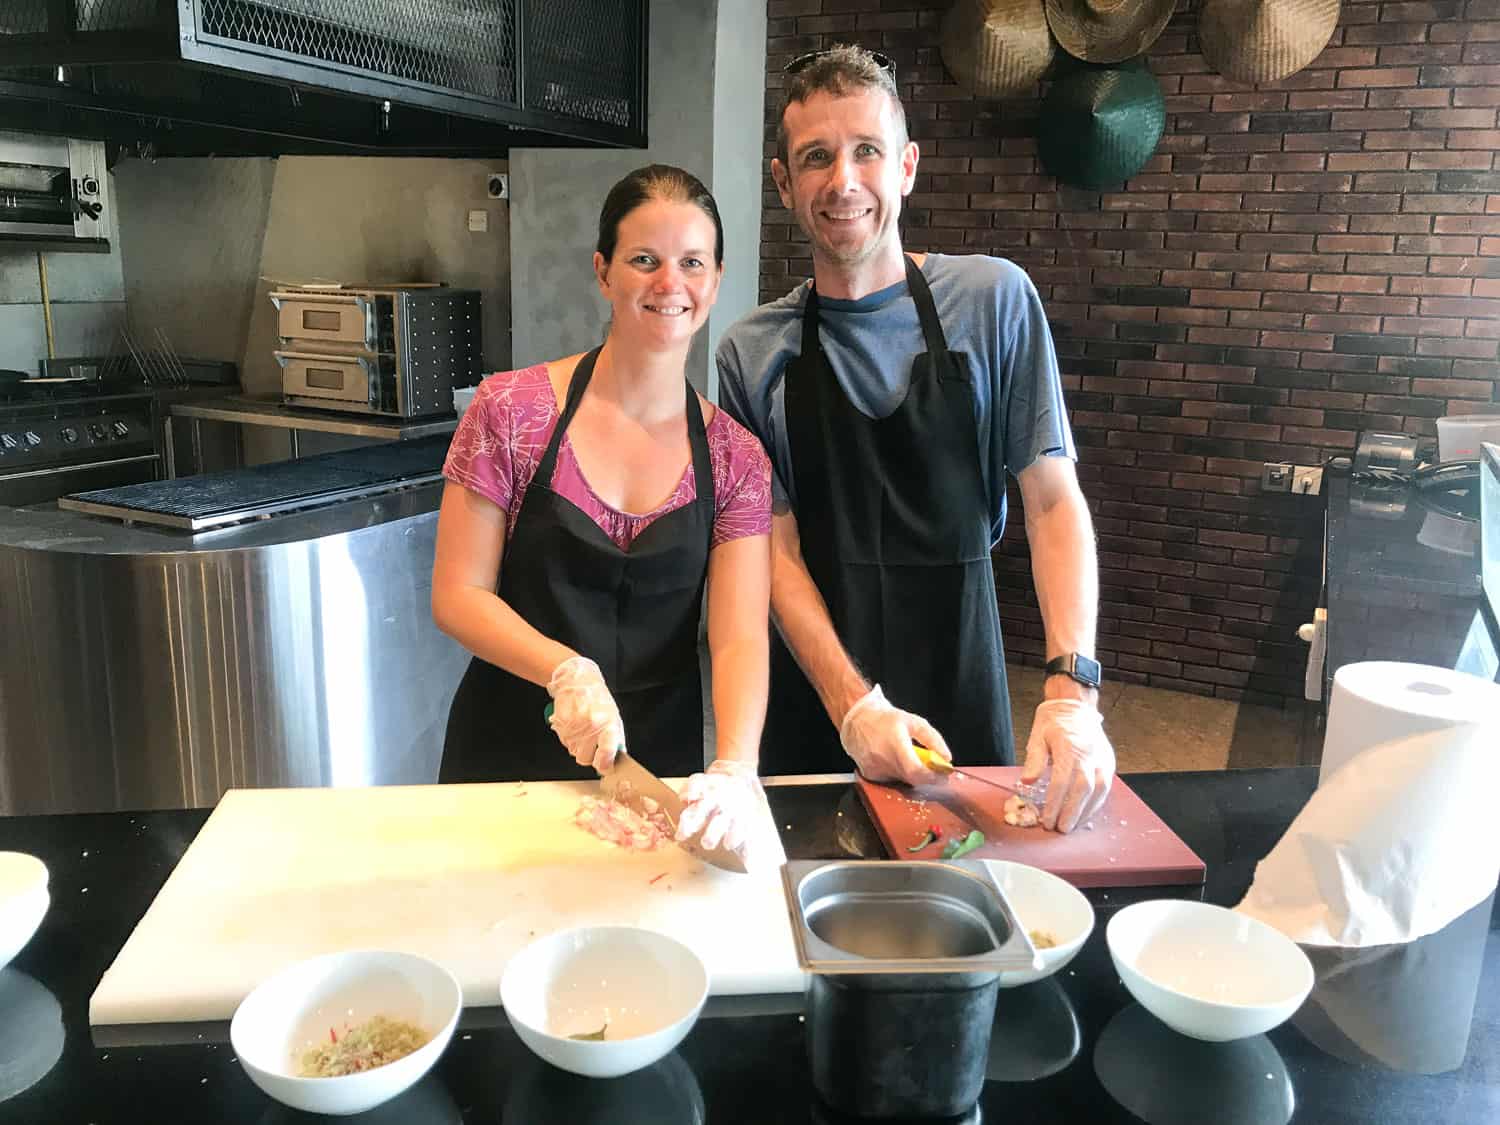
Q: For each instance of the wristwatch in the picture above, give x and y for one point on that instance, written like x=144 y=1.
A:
x=1075 y=666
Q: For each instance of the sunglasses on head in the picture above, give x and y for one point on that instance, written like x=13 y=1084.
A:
x=802 y=62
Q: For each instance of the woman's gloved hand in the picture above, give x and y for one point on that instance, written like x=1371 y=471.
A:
x=724 y=803
x=1067 y=740
x=584 y=715
x=879 y=737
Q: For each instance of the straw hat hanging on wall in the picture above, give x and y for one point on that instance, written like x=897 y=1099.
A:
x=1100 y=125
x=1255 y=41
x=1108 y=31
x=997 y=47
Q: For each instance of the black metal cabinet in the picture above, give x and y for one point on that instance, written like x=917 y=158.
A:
x=351 y=76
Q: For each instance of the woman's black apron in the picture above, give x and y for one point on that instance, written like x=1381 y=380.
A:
x=635 y=612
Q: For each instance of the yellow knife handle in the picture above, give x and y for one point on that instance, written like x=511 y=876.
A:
x=935 y=762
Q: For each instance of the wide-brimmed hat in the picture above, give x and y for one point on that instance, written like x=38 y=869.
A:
x=1108 y=31
x=1100 y=125
x=997 y=47
x=1254 y=41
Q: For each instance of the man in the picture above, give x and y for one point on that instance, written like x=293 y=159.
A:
x=893 y=395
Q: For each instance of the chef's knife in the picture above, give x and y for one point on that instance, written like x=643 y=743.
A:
x=627 y=781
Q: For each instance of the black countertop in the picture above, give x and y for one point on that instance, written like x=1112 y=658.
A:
x=1387 y=538
x=1408 y=1034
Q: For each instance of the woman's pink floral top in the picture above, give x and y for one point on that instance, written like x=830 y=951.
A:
x=506 y=429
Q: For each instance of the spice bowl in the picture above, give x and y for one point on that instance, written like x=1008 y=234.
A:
x=604 y=1001
x=1049 y=909
x=318 y=1001
x=23 y=901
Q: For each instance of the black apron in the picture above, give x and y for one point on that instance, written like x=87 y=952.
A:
x=895 y=529
x=634 y=612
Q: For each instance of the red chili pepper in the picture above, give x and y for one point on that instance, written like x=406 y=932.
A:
x=332 y=1036
x=663 y=875
x=934 y=829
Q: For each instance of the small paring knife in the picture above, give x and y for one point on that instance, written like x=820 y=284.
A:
x=1034 y=794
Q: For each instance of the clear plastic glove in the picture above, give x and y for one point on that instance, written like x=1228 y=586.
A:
x=1068 y=745
x=723 y=804
x=584 y=715
x=879 y=737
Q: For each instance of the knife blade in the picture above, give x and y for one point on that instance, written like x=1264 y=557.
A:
x=627 y=781
x=1035 y=794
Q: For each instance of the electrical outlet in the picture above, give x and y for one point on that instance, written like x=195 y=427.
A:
x=497 y=185
x=479 y=221
x=1276 y=476
x=1307 y=480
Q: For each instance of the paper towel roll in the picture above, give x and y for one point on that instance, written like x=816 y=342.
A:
x=1401 y=836
x=1382 y=701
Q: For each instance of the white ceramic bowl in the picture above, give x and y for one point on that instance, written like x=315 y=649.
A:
x=1206 y=971
x=294 y=1010
x=1042 y=901
x=23 y=901
x=649 y=987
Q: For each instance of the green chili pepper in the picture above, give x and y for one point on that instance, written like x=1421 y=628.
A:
x=925 y=841
x=592 y=1036
x=956 y=847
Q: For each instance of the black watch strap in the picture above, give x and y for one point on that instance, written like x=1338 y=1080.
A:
x=1076 y=667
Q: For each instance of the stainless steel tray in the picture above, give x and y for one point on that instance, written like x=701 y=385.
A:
x=903 y=917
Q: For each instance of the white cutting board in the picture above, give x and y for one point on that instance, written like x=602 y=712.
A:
x=463 y=874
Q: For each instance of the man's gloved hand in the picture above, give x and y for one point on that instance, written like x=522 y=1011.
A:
x=879 y=737
x=722 y=803
x=1068 y=736
x=584 y=715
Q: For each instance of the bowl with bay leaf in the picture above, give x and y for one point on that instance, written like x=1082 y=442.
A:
x=603 y=1001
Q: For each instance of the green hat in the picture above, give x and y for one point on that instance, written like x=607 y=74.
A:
x=1099 y=125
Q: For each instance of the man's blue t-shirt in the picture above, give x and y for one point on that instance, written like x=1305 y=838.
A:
x=988 y=309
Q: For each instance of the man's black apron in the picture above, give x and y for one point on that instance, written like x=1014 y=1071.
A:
x=895 y=528
x=635 y=612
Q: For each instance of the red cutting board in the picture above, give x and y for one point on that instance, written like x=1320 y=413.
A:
x=1128 y=845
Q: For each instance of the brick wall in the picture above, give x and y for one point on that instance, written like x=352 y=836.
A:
x=1297 y=263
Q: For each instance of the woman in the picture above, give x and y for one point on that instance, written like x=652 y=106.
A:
x=588 y=500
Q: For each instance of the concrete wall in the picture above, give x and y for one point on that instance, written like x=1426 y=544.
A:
x=694 y=45
x=88 y=305
x=190 y=235
x=203 y=240
x=738 y=155
x=381 y=219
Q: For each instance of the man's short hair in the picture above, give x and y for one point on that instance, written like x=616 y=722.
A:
x=841 y=70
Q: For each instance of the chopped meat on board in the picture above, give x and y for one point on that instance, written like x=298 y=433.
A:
x=1021 y=813
x=617 y=823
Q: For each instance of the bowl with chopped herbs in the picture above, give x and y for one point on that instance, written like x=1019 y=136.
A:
x=1055 y=914
x=603 y=1001
x=345 y=1032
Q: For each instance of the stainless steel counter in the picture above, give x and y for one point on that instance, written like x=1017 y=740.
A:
x=144 y=668
x=248 y=410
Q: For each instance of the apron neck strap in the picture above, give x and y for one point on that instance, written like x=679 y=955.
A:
x=576 y=386
x=921 y=295
x=932 y=329
x=703 y=468
x=703 y=476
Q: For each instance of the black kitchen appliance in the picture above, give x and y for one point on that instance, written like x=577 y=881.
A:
x=61 y=435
